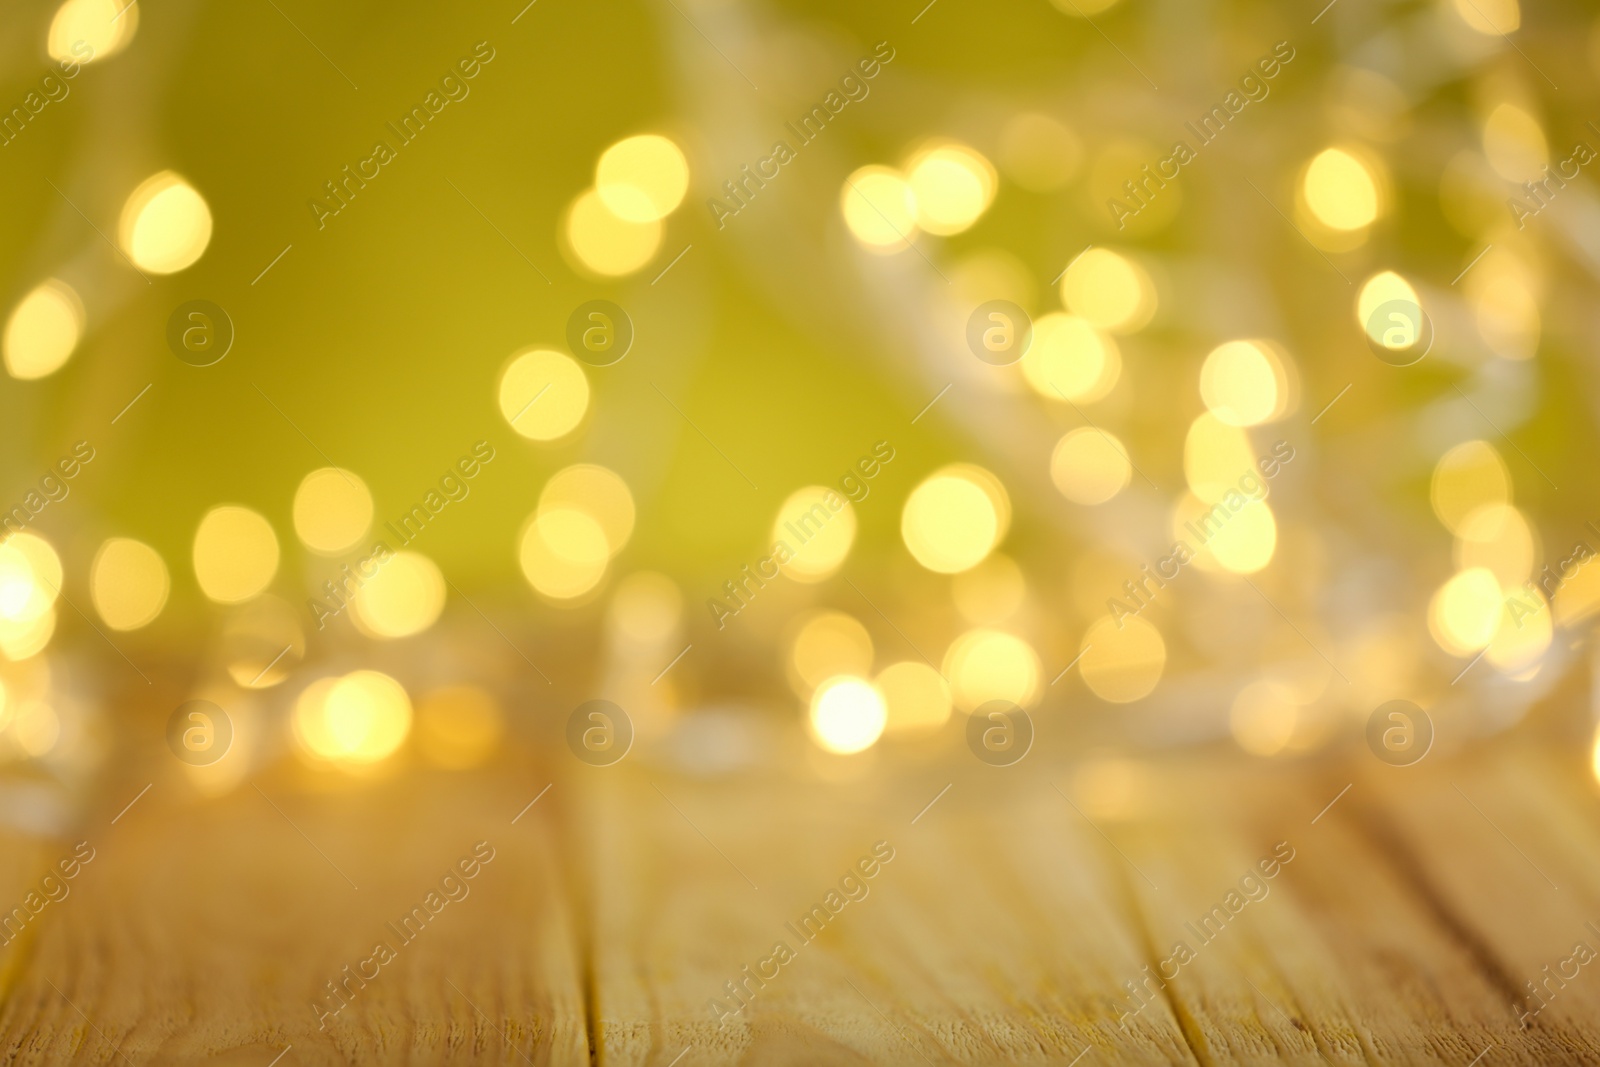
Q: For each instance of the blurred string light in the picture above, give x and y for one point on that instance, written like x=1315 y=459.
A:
x=543 y=394
x=358 y=718
x=1090 y=466
x=30 y=580
x=585 y=517
x=128 y=583
x=985 y=665
x=105 y=26
x=952 y=185
x=1339 y=197
x=1069 y=360
x=826 y=644
x=1110 y=290
x=598 y=492
x=1244 y=383
x=848 y=715
x=955 y=518
x=820 y=545
x=332 y=511
x=235 y=554
x=1122 y=662
x=880 y=208
x=615 y=228
x=916 y=697
x=43 y=331
x=403 y=598
x=165 y=225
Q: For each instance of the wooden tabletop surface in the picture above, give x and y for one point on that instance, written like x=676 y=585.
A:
x=1180 y=909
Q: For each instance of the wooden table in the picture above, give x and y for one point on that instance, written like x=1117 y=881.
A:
x=1017 y=912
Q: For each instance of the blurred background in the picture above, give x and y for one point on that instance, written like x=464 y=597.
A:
x=301 y=420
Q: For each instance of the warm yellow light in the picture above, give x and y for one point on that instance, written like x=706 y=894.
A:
x=1109 y=290
x=25 y=637
x=1578 y=598
x=1514 y=143
x=165 y=225
x=955 y=518
x=1392 y=333
x=1038 y=152
x=1505 y=295
x=847 y=715
x=646 y=609
x=1525 y=632
x=991 y=592
x=360 y=718
x=235 y=554
x=332 y=510
x=1069 y=360
x=642 y=179
x=952 y=186
x=1216 y=456
x=1263 y=718
x=880 y=208
x=543 y=394
x=819 y=526
x=86 y=31
x=1492 y=18
x=30 y=580
x=36 y=728
x=1090 y=466
x=43 y=330
x=563 y=552
x=1468 y=477
x=404 y=597
x=1243 y=383
x=1122 y=664
x=916 y=697
x=1236 y=533
x=128 y=583
x=599 y=493
x=605 y=243
x=985 y=665
x=1497 y=537
x=1466 y=611
x=827 y=644
x=458 y=727
x=1340 y=191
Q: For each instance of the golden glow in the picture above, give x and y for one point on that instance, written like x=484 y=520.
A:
x=646 y=609
x=1039 y=153
x=360 y=718
x=1377 y=291
x=458 y=727
x=1524 y=635
x=87 y=31
x=1216 y=455
x=916 y=697
x=30 y=580
x=44 y=329
x=642 y=179
x=605 y=243
x=1468 y=477
x=1466 y=611
x=1109 y=290
x=880 y=208
x=985 y=665
x=831 y=531
x=952 y=185
x=991 y=592
x=22 y=638
x=1237 y=533
x=1122 y=664
x=1578 y=598
x=1340 y=191
x=827 y=644
x=1090 y=466
x=165 y=225
x=543 y=394
x=1492 y=18
x=1263 y=718
x=599 y=493
x=404 y=597
x=128 y=583
x=1080 y=9
x=847 y=715
x=1499 y=538
x=1068 y=359
x=235 y=554
x=332 y=510
x=1505 y=299
x=955 y=518
x=36 y=728
x=1514 y=143
x=563 y=552
x=1243 y=383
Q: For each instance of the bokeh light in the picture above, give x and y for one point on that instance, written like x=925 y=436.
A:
x=88 y=31
x=825 y=644
x=1514 y=143
x=235 y=554
x=128 y=583
x=603 y=242
x=1070 y=360
x=1122 y=662
x=984 y=665
x=847 y=715
x=1466 y=611
x=563 y=553
x=818 y=534
x=359 y=718
x=599 y=493
x=916 y=696
x=403 y=597
x=166 y=224
x=642 y=179
x=1243 y=383
x=1110 y=290
x=952 y=185
x=1468 y=477
x=43 y=331
x=1339 y=190
x=543 y=394
x=332 y=510
x=1393 y=331
x=1090 y=466
x=955 y=518
x=880 y=208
